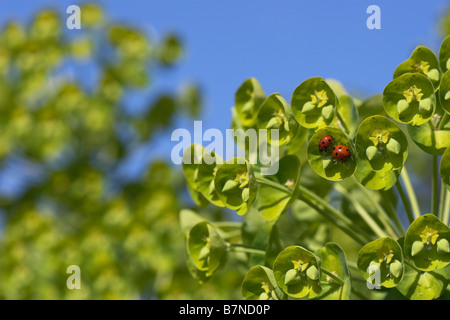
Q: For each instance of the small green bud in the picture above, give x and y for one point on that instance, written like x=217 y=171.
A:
x=395 y=268
x=326 y=162
x=212 y=187
x=273 y=123
x=264 y=296
x=425 y=105
x=371 y=152
x=312 y=272
x=247 y=108
x=393 y=146
x=327 y=112
x=204 y=253
x=417 y=246
x=245 y=194
x=274 y=295
x=308 y=107
x=402 y=105
x=433 y=74
x=292 y=277
x=229 y=185
x=443 y=245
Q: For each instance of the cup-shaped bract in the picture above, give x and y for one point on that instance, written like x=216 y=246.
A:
x=297 y=272
x=410 y=99
x=381 y=144
x=381 y=262
x=444 y=92
x=444 y=54
x=205 y=176
x=422 y=61
x=333 y=259
x=272 y=201
x=248 y=98
x=236 y=185
x=427 y=243
x=259 y=284
x=192 y=157
x=323 y=162
x=205 y=248
x=275 y=113
x=445 y=168
x=433 y=137
x=314 y=103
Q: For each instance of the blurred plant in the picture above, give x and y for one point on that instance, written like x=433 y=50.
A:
x=68 y=134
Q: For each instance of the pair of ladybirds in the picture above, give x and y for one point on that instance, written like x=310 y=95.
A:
x=340 y=152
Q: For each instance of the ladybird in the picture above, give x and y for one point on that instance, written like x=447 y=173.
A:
x=341 y=152
x=325 y=143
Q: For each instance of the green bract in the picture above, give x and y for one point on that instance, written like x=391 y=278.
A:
x=334 y=260
x=381 y=144
x=382 y=261
x=444 y=54
x=427 y=243
x=297 y=272
x=192 y=157
x=259 y=284
x=410 y=99
x=313 y=103
x=323 y=162
x=445 y=168
x=205 y=248
x=422 y=61
x=249 y=97
x=275 y=113
x=205 y=176
x=433 y=137
x=235 y=184
x=444 y=92
x=272 y=201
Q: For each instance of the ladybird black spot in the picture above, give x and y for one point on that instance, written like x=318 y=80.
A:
x=323 y=142
x=336 y=153
x=346 y=149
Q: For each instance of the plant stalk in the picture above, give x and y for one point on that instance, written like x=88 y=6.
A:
x=434 y=187
x=411 y=193
x=405 y=202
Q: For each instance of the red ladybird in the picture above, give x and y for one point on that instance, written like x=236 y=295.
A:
x=325 y=143
x=341 y=152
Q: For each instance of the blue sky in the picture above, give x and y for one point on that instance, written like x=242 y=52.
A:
x=281 y=43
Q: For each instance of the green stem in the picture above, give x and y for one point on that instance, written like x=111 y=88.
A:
x=446 y=207
x=227 y=224
x=434 y=187
x=235 y=247
x=392 y=213
x=362 y=212
x=443 y=121
x=411 y=193
x=406 y=204
x=336 y=278
x=338 y=223
x=384 y=216
x=343 y=123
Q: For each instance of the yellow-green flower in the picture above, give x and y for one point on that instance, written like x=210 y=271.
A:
x=385 y=254
x=242 y=179
x=429 y=235
x=422 y=66
x=379 y=136
x=319 y=98
x=413 y=93
x=300 y=264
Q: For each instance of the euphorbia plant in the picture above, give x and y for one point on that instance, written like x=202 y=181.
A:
x=342 y=159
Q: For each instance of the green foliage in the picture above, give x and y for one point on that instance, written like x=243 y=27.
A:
x=329 y=227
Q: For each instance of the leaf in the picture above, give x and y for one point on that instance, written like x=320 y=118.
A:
x=308 y=100
x=192 y=157
x=259 y=282
x=298 y=258
x=248 y=99
x=334 y=260
x=444 y=91
x=427 y=229
x=444 y=54
x=422 y=61
x=332 y=170
x=413 y=89
x=381 y=253
x=241 y=170
x=272 y=202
